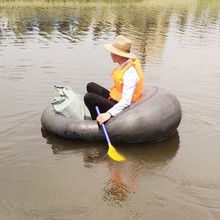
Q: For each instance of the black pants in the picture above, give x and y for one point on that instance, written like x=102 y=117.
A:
x=97 y=96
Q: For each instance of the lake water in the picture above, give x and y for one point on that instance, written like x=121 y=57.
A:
x=46 y=177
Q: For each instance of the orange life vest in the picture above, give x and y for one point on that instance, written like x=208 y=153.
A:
x=117 y=74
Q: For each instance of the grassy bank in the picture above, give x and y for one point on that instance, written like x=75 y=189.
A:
x=73 y=3
x=60 y=3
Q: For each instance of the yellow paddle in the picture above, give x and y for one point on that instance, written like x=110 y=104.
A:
x=111 y=150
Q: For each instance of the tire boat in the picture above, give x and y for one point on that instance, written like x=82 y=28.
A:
x=154 y=117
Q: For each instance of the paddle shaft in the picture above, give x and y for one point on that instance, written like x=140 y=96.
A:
x=103 y=126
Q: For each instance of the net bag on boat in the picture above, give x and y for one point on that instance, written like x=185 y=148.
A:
x=70 y=104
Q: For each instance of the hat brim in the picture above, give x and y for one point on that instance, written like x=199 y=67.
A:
x=112 y=49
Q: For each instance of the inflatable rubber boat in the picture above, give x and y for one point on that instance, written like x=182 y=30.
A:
x=155 y=116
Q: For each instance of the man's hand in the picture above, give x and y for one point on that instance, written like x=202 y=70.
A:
x=103 y=117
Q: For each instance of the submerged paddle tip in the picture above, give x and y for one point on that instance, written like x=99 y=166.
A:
x=114 y=154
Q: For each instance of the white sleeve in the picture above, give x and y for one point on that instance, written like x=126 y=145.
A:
x=130 y=79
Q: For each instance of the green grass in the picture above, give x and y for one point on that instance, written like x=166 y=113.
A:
x=60 y=3
x=74 y=3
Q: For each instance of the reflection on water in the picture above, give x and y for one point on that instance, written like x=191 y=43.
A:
x=123 y=177
x=92 y=152
x=45 y=177
x=148 y=27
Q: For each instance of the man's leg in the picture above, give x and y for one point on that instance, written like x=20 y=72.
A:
x=91 y=100
x=97 y=89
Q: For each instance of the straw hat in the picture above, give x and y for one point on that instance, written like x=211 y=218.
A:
x=121 y=46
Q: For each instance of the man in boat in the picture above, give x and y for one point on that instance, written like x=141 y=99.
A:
x=128 y=83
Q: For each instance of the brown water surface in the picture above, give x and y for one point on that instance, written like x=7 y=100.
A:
x=45 y=177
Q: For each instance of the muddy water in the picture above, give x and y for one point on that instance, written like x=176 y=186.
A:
x=45 y=177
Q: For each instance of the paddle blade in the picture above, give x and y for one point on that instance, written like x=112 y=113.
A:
x=114 y=154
